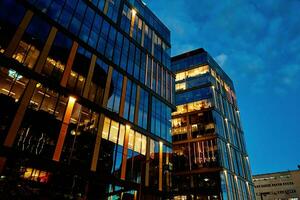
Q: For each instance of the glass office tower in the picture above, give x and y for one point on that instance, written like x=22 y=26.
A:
x=85 y=100
x=210 y=157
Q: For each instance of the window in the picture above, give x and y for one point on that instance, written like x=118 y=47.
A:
x=66 y=13
x=144 y=145
x=113 y=103
x=106 y=128
x=103 y=37
x=118 y=49
x=194 y=95
x=78 y=17
x=137 y=63
x=143 y=109
x=12 y=84
x=130 y=98
x=87 y=24
x=124 y=55
x=113 y=9
x=121 y=135
x=110 y=43
x=160 y=119
x=32 y=42
x=180 y=86
x=126 y=19
x=97 y=86
x=8 y=23
x=138 y=142
x=130 y=139
x=95 y=32
x=57 y=57
x=35 y=175
x=130 y=64
x=192 y=73
x=79 y=71
x=113 y=134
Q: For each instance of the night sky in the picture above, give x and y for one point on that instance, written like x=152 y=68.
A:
x=257 y=43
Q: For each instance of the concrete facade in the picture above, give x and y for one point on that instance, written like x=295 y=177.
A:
x=280 y=185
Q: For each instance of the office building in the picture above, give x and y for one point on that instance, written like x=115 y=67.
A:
x=278 y=185
x=86 y=95
x=210 y=160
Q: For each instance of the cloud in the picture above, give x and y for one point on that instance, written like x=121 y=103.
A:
x=261 y=39
x=221 y=59
x=289 y=76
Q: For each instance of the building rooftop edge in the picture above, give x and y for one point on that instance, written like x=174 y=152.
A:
x=209 y=60
x=187 y=54
x=144 y=4
x=296 y=170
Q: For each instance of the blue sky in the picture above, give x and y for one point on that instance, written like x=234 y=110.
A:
x=257 y=43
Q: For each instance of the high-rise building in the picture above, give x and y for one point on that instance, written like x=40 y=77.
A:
x=86 y=95
x=278 y=185
x=210 y=158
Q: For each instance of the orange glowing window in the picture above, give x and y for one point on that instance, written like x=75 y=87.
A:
x=35 y=175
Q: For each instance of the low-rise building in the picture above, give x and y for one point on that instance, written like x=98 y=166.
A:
x=279 y=185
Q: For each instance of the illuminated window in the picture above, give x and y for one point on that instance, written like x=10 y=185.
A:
x=130 y=139
x=114 y=129
x=192 y=106
x=180 y=76
x=53 y=66
x=13 y=74
x=194 y=127
x=49 y=101
x=180 y=86
x=209 y=126
x=43 y=177
x=179 y=130
x=192 y=73
x=12 y=83
x=26 y=54
x=76 y=112
x=121 y=135
x=34 y=175
x=197 y=71
x=152 y=147
x=180 y=109
x=226 y=87
x=180 y=198
x=76 y=82
x=179 y=122
x=105 y=128
x=27 y=173
x=198 y=105
x=58 y=56
x=176 y=122
x=144 y=145
x=213 y=73
x=138 y=142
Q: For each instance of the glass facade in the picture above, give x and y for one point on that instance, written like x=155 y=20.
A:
x=210 y=157
x=86 y=95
